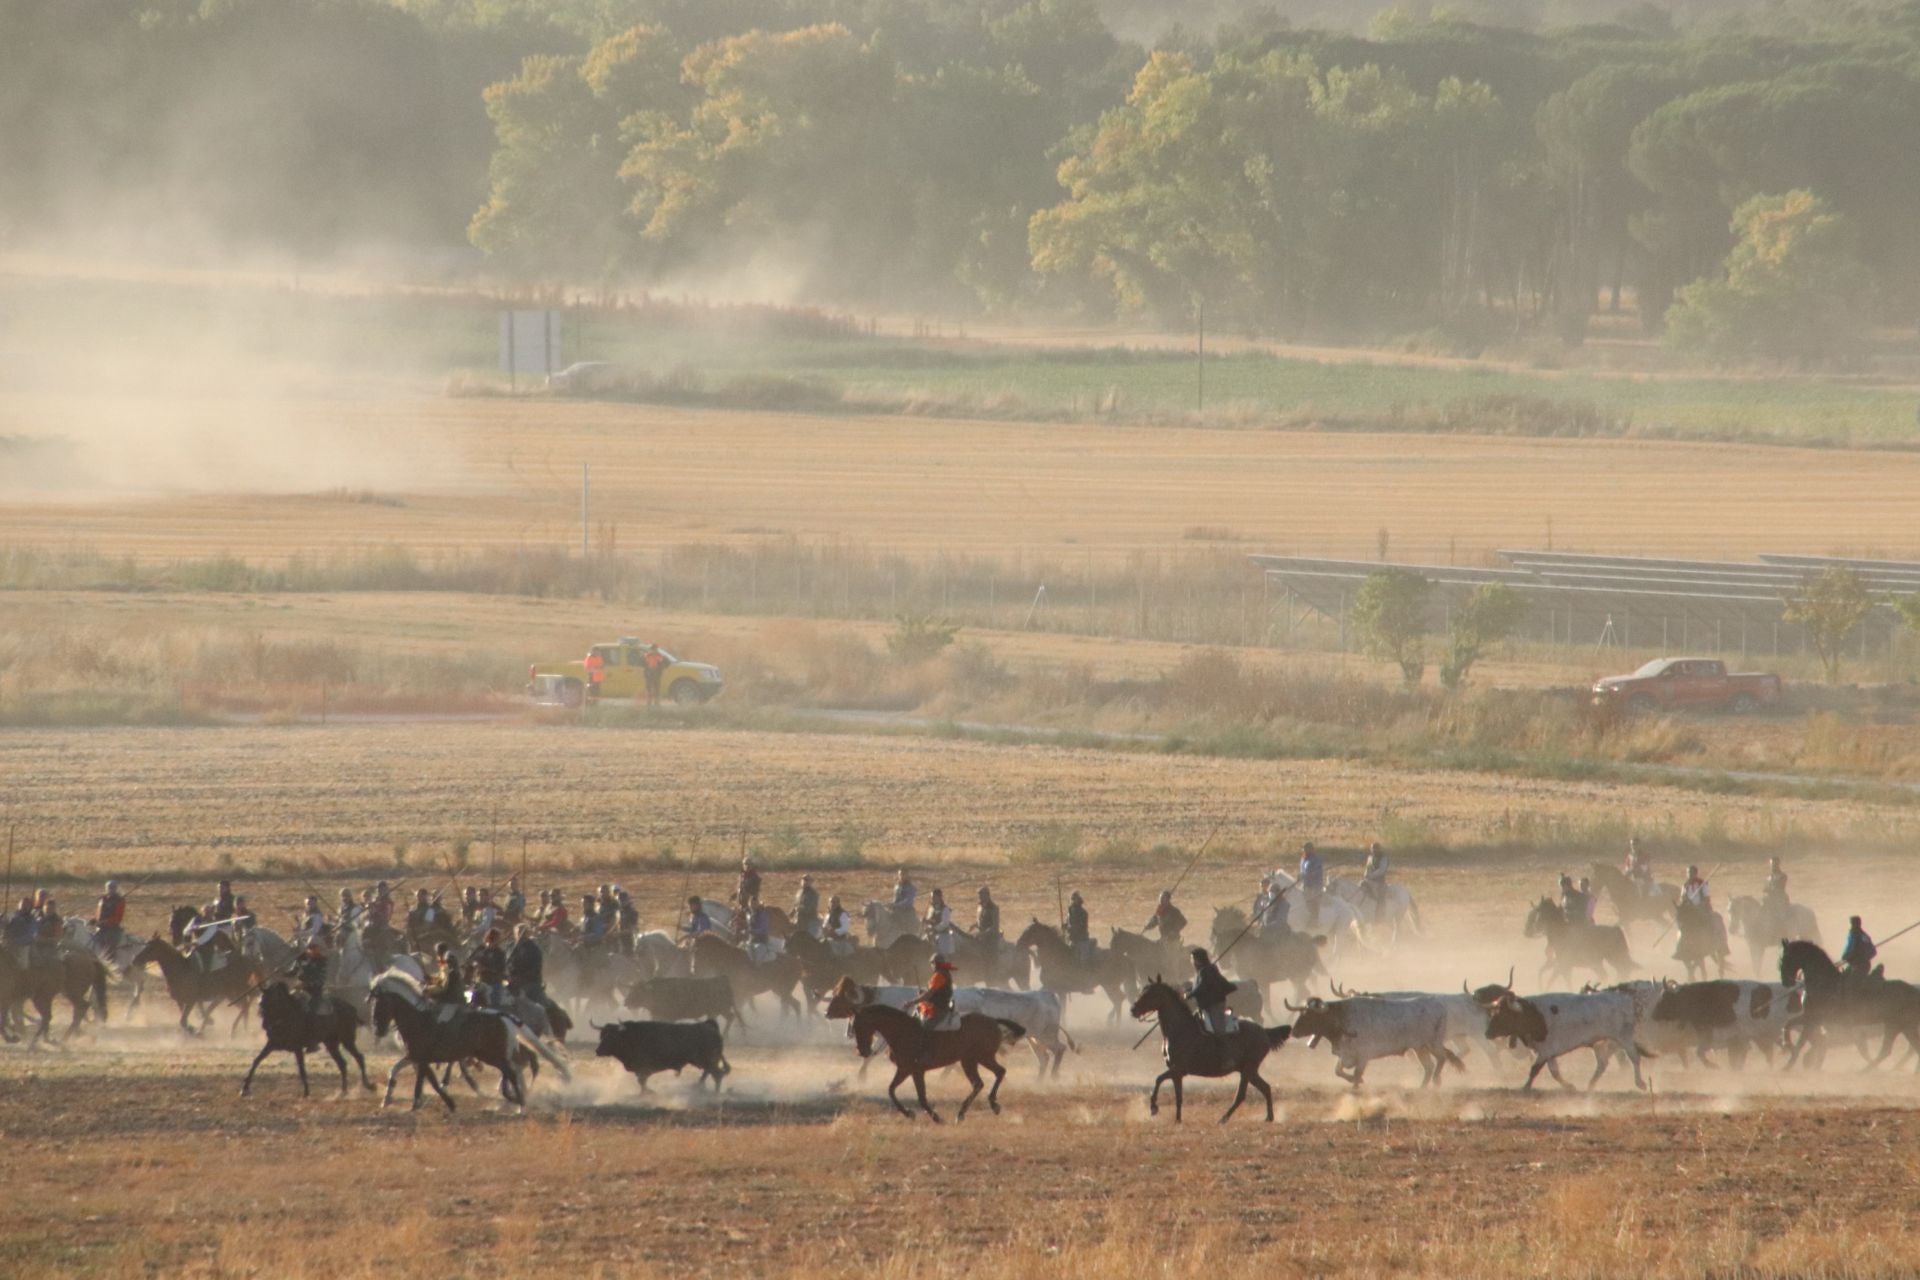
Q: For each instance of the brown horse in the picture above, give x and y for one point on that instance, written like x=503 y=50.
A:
x=776 y=977
x=1065 y=972
x=293 y=1028
x=1191 y=1050
x=915 y=1050
x=436 y=1034
x=71 y=974
x=195 y=988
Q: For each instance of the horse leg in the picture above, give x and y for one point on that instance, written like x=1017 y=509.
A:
x=1265 y=1092
x=973 y=1078
x=437 y=1088
x=359 y=1061
x=899 y=1074
x=1153 y=1099
x=392 y=1078
x=300 y=1064
x=246 y=1086
x=999 y=1077
x=333 y=1051
x=422 y=1074
x=920 y=1088
x=1239 y=1096
x=1179 y=1100
x=1600 y=1059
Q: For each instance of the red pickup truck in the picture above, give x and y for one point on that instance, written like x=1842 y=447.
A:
x=1687 y=684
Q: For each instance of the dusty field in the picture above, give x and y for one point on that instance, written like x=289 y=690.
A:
x=483 y=472
x=127 y=801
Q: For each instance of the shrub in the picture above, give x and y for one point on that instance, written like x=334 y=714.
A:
x=917 y=637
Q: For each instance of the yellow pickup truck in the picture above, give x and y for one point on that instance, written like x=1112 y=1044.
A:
x=623 y=674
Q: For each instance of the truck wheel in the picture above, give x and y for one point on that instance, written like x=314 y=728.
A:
x=1640 y=704
x=688 y=694
x=1745 y=704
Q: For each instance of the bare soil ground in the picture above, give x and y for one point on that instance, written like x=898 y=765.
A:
x=479 y=472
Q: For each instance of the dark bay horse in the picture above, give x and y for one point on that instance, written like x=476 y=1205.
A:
x=776 y=977
x=72 y=975
x=195 y=988
x=1191 y=1050
x=1577 y=945
x=1270 y=955
x=1699 y=941
x=1839 y=1001
x=915 y=1050
x=1630 y=902
x=293 y=1028
x=1065 y=972
x=434 y=1034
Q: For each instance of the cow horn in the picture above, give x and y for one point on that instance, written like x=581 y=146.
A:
x=1509 y=977
x=596 y=1026
x=1343 y=994
x=1292 y=1007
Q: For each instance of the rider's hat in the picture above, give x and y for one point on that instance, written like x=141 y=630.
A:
x=1199 y=953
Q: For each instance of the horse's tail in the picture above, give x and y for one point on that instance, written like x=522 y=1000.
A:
x=100 y=990
x=1010 y=1031
x=533 y=1044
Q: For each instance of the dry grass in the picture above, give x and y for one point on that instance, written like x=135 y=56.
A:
x=474 y=473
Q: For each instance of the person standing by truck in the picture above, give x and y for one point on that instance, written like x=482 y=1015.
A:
x=653 y=665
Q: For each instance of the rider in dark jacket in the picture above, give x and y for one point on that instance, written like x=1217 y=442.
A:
x=1857 y=956
x=1210 y=990
x=526 y=966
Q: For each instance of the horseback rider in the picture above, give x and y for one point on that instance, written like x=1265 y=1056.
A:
x=377 y=933
x=1166 y=920
x=609 y=908
x=244 y=919
x=421 y=921
x=489 y=965
x=905 y=915
x=1587 y=898
x=759 y=932
x=221 y=909
x=986 y=922
x=626 y=919
x=311 y=920
x=486 y=915
x=554 y=919
x=469 y=904
x=526 y=966
x=1373 y=878
x=110 y=919
x=939 y=924
x=1638 y=868
x=936 y=1001
x=837 y=928
x=310 y=969
x=749 y=886
x=1856 y=958
x=349 y=916
x=449 y=989
x=21 y=926
x=806 y=908
x=1697 y=896
x=1279 y=908
x=49 y=928
x=697 y=922
x=1574 y=904
x=1210 y=991
x=516 y=901
x=1312 y=878
x=1774 y=897
x=1079 y=934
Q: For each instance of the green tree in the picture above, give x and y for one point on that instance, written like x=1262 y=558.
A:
x=1489 y=616
x=1793 y=289
x=1830 y=606
x=1390 y=620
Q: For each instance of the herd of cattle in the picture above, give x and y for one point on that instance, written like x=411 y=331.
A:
x=694 y=998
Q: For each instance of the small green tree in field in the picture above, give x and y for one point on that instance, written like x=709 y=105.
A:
x=1488 y=617
x=1793 y=289
x=1830 y=606
x=1390 y=620
x=917 y=637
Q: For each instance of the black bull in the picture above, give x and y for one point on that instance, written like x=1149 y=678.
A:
x=647 y=1048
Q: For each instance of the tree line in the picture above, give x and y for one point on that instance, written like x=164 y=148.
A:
x=1747 y=178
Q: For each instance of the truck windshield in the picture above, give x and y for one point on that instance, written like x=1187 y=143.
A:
x=1652 y=668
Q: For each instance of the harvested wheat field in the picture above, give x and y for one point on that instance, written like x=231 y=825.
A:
x=278 y=477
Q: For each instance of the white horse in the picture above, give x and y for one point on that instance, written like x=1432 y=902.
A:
x=886 y=924
x=1328 y=914
x=1384 y=916
x=80 y=934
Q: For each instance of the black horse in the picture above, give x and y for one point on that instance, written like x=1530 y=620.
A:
x=1839 y=1001
x=1576 y=944
x=293 y=1028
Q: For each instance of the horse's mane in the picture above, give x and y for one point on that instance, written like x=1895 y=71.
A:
x=406 y=983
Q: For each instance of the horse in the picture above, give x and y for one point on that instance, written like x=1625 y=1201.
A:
x=1326 y=913
x=1700 y=941
x=195 y=988
x=998 y=964
x=1191 y=1050
x=1065 y=972
x=434 y=1034
x=79 y=932
x=1834 y=999
x=1146 y=955
x=273 y=952
x=1388 y=913
x=1037 y=1011
x=822 y=968
x=916 y=1049
x=72 y=975
x=293 y=1028
x=776 y=977
x=1748 y=917
x=1576 y=945
x=886 y=923
x=1630 y=902
x=1268 y=956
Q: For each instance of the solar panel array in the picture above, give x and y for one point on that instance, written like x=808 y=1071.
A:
x=1628 y=601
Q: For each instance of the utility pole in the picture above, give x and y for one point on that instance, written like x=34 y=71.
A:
x=585 y=496
x=1200 y=355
